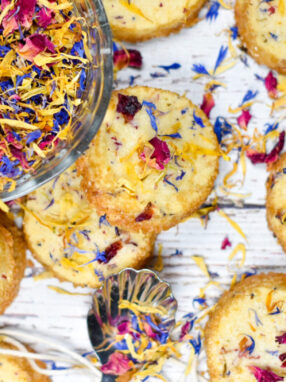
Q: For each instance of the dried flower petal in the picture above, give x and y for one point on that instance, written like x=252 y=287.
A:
x=118 y=364
x=281 y=339
x=22 y=14
x=208 y=104
x=45 y=17
x=263 y=375
x=35 y=44
x=257 y=157
x=127 y=58
x=160 y=156
x=271 y=85
x=226 y=243
x=147 y=214
x=244 y=119
x=128 y=106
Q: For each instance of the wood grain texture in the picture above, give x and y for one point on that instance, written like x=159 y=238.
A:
x=63 y=317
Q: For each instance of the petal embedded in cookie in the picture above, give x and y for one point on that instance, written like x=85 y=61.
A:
x=140 y=20
x=67 y=236
x=241 y=335
x=151 y=171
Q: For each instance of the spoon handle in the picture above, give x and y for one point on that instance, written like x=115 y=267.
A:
x=108 y=378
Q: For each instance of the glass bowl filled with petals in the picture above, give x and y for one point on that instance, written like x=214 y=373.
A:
x=56 y=80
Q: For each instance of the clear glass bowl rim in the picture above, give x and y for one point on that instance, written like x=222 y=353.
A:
x=78 y=150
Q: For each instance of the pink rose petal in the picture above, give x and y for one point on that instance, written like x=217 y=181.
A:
x=208 y=104
x=263 y=375
x=127 y=58
x=35 y=44
x=45 y=17
x=225 y=243
x=22 y=14
x=244 y=119
x=118 y=364
x=160 y=156
x=271 y=85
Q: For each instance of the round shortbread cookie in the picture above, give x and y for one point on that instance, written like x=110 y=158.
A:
x=12 y=261
x=15 y=369
x=67 y=236
x=139 y=20
x=261 y=26
x=245 y=337
x=276 y=200
x=153 y=162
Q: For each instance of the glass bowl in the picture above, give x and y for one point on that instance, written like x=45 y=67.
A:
x=90 y=114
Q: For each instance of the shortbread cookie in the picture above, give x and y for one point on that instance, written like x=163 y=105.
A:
x=15 y=369
x=153 y=162
x=246 y=335
x=276 y=200
x=67 y=236
x=261 y=26
x=139 y=20
x=12 y=261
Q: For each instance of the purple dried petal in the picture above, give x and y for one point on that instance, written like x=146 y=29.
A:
x=128 y=106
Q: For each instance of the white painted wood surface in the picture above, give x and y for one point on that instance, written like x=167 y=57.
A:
x=63 y=317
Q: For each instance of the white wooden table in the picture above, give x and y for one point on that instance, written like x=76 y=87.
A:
x=63 y=317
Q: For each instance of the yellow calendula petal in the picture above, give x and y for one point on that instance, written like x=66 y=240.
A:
x=229 y=175
x=43 y=276
x=3 y=206
x=159 y=265
x=133 y=9
x=225 y=5
x=223 y=68
x=281 y=7
x=202 y=265
x=66 y=292
x=38 y=150
x=212 y=83
x=140 y=308
x=17 y=124
x=232 y=223
x=233 y=281
x=246 y=105
x=55 y=6
x=209 y=284
x=238 y=248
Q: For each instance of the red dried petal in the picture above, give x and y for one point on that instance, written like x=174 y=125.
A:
x=45 y=17
x=160 y=156
x=281 y=339
x=147 y=214
x=112 y=250
x=118 y=364
x=35 y=44
x=256 y=157
x=271 y=85
x=244 y=119
x=128 y=106
x=127 y=58
x=208 y=104
x=263 y=375
x=271 y=10
x=225 y=243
